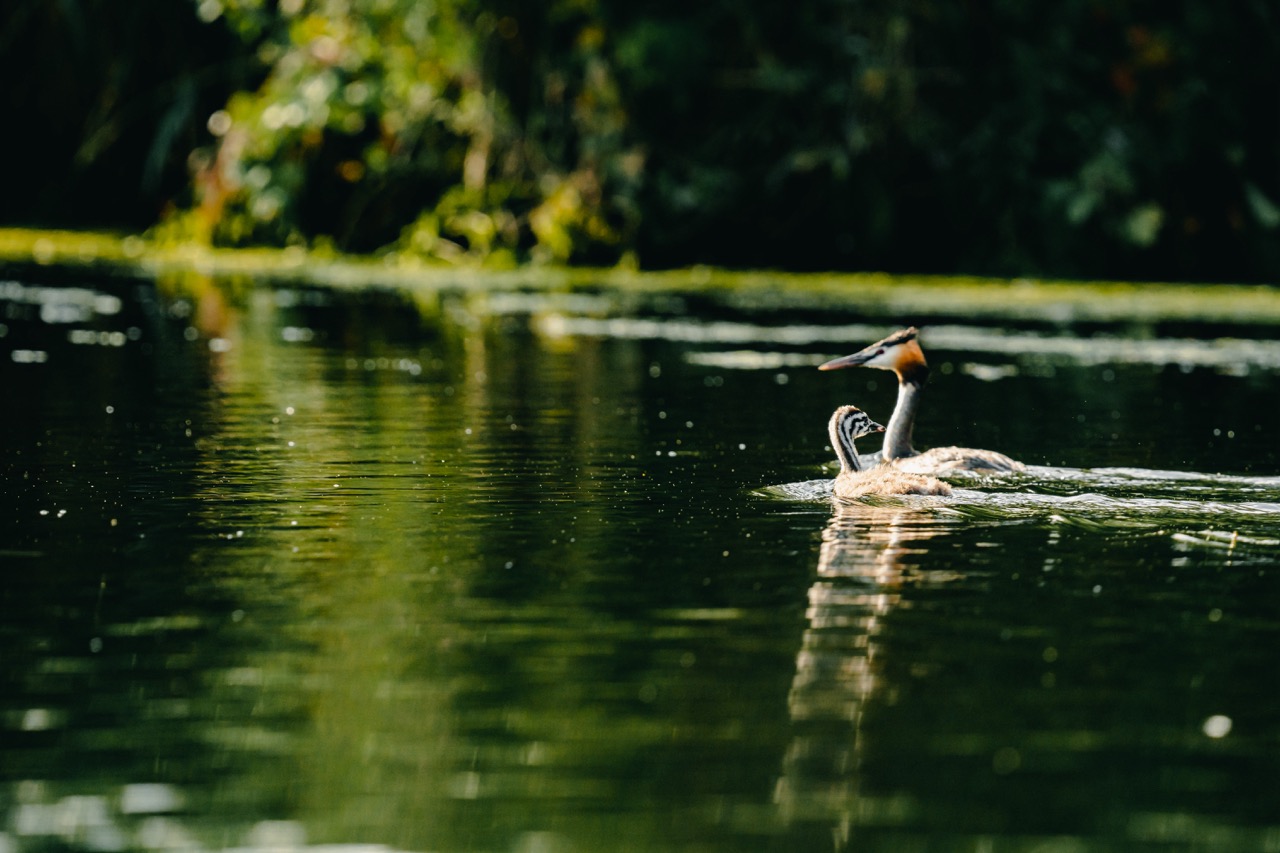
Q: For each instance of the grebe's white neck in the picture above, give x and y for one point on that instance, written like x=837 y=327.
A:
x=897 y=437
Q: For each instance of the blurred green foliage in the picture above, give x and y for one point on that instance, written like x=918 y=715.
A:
x=442 y=128
x=1082 y=138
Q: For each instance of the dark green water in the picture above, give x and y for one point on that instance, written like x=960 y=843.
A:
x=501 y=572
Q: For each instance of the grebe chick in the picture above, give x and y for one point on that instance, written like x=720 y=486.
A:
x=854 y=481
x=900 y=353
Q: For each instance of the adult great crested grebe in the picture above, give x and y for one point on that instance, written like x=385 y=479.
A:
x=900 y=353
x=849 y=423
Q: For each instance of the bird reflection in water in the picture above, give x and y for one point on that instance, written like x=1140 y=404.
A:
x=869 y=554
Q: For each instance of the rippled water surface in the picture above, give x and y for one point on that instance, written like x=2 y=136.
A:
x=473 y=571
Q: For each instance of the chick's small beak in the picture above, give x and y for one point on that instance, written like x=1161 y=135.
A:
x=875 y=427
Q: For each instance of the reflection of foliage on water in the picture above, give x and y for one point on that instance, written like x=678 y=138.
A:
x=428 y=507
x=109 y=629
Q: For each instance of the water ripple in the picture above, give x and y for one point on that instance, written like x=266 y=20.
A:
x=1105 y=498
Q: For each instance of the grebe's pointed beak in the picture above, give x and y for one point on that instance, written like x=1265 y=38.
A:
x=875 y=427
x=858 y=358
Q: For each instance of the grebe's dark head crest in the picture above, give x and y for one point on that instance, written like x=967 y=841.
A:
x=899 y=352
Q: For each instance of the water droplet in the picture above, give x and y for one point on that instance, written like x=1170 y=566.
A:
x=1219 y=725
x=37 y=720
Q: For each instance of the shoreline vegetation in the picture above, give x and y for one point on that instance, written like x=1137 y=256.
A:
x=1068 y=141
x=1054 y=301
